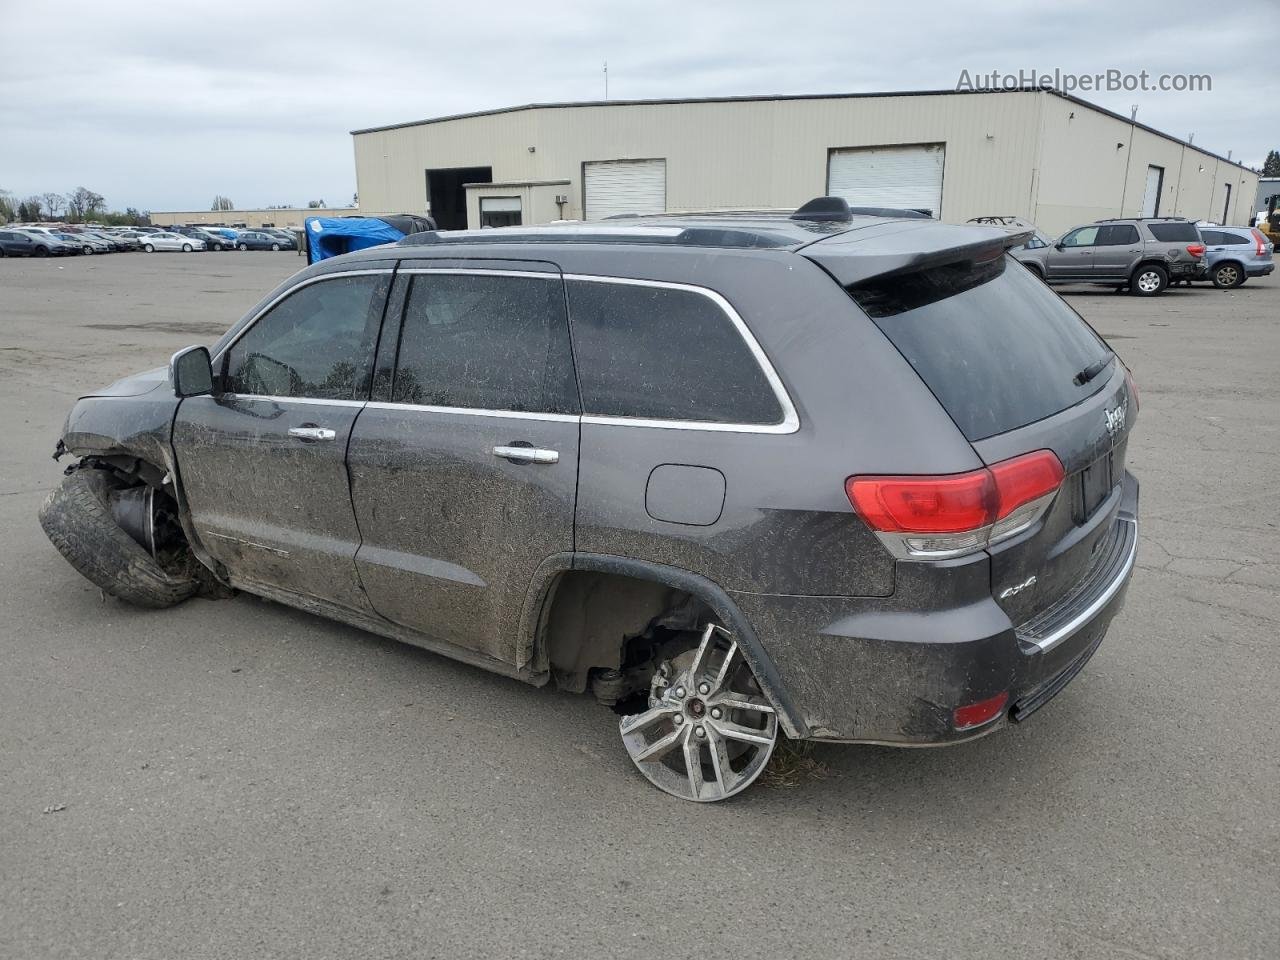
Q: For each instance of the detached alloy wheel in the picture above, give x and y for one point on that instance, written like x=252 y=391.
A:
x=709 y=731
x=1228 y=275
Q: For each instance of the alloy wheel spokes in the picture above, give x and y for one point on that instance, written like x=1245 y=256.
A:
x=708 y=732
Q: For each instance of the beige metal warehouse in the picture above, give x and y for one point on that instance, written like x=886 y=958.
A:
x=1053 y=159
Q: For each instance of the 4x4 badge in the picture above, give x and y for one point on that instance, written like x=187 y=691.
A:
x=1115 y=418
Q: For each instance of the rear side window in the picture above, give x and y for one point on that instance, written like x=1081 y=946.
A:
x=1232 y=239
x=662 y=353
x=1174 y=232
x=997 y=347
x=1117 y=234
x=486 y=342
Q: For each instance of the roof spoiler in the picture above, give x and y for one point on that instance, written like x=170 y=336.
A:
x=898 y=248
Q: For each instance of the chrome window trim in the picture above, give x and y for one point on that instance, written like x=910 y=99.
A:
x=790 y=422
x=315 y=401
x=267 y=307
x=475 y=411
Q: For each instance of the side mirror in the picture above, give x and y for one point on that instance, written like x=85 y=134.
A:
x=1059 y=245
x=191 y=372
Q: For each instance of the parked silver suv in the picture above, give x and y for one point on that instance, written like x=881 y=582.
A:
x=1143 y=254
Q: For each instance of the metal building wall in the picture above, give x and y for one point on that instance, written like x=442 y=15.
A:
x=720 y=154
x=1030 y=154
x=1094 y=165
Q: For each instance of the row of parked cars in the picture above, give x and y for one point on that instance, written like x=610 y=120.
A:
x=1145 y=255
x=57 y=241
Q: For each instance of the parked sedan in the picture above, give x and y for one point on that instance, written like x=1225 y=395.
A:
x=171 y=241
x=16 y=243
x=257 y=240
x=48 y=243
x=85 y=244
x=1234 y=254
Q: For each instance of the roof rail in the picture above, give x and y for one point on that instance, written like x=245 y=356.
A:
x=826 y=209
x=615 y=232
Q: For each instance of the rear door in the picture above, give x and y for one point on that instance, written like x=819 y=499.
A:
x=464 y=468
x=1116 y=250
x=263 y=462
x=1071 y=258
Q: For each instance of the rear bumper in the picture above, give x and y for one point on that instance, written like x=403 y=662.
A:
x=893 y=670
x=1259 y=269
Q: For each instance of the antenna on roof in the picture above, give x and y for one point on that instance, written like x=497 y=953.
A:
x=606 y=79
x=1133 y=113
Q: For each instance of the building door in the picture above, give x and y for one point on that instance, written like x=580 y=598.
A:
x=613 y=187
x=1151 y=197
x=906 y=177
x=1226 y=207
x=447 y=195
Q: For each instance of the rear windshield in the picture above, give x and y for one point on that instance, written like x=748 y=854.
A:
x=1174 y=232
x=996 y=346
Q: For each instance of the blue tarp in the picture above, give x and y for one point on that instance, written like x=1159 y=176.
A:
x=334 y=236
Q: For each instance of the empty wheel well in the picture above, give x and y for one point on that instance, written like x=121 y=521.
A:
x=608 y=630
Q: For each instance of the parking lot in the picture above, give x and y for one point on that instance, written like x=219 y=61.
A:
x=236 y=778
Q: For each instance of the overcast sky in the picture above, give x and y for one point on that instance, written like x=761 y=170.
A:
x=162 y=105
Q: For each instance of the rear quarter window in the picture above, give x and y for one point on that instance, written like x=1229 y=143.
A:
x=1174 y=232
x=997 y=347
x=664 y=353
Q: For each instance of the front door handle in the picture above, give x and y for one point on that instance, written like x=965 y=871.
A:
x=313 y=433
x=523 y=454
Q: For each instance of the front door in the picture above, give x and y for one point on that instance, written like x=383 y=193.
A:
x=262 y=462
x=1071 y=258
x=464 y=468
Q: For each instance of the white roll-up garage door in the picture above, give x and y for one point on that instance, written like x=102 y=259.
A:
x=905 y=177
x=624 y=186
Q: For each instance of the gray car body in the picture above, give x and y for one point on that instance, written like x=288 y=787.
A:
x=1059 y=262
x=413 y=529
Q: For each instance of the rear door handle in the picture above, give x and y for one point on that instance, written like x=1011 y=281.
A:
x=527 y=454
x=313 y=433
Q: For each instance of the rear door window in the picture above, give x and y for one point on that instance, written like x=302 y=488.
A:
x=1117 y=234
x=1174 y=232
x=488 y=342
x=665 y=353
x=997 y=347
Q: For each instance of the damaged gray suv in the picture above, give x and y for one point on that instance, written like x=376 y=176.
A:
x=839 y=477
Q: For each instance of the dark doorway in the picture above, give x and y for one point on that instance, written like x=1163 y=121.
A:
x=448 y=198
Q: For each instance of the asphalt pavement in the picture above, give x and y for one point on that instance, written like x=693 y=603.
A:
x=236 y=779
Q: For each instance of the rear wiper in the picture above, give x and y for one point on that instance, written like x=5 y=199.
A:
x=1092 y=370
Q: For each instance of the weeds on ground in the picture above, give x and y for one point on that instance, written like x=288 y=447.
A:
x=792 y=764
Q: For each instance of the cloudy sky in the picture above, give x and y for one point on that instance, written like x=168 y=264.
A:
x=162 y=105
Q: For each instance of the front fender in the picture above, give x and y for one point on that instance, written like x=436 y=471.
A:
x=135 y=426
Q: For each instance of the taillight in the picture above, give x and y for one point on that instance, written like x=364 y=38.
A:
x=1133 y=388
x=945 y=516
x=1260 y=242
x=1195 y=249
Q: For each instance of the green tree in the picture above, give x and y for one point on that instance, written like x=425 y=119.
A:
x=1271 y=166
x=84 y=203
x=31 y=206
x=7 y=210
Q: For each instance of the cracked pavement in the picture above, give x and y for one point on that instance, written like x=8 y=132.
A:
x=237 y=779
